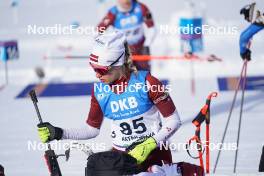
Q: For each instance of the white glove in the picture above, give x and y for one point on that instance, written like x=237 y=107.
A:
x=166 y=170
x=149 y=174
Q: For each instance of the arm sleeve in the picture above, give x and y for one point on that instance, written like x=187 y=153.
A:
x=107 y=21
x=169 y=126
x=147 y=16
x=94 y=122
x=246 y=35
x=95 y=116
x=151 y=35
x=160 y=97
x=148 y=20
x=86 y=132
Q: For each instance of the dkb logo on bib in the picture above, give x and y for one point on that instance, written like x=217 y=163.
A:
x=124 y=104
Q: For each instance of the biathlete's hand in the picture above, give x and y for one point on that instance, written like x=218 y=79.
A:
x=141 y=151
x=246 y=55
x=48 y=132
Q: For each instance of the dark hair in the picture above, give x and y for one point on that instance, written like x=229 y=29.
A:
x=129 y=66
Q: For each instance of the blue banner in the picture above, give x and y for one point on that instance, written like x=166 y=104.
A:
x=230 y=83
x=8 y=50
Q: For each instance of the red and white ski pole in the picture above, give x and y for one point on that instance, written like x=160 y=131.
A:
x=204 y=115
x=206 y=111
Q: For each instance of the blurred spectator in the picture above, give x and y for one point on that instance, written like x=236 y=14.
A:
x=129 y=16
x=2 y=170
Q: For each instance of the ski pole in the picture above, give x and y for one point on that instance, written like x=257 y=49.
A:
x=190 y=56
x=241 y=112
x=200 y=149
x=34 y=99
x=204 y=115
x=229 y=117
x=192 y=78
x=199 y=145
x=207 y=150
x=6 y=72
x=207 y=122
x=50 y=156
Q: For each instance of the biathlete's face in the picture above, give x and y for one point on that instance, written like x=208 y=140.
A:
x=107 y=74
x=125 y=4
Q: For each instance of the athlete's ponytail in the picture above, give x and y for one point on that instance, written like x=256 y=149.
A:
x=129 y=66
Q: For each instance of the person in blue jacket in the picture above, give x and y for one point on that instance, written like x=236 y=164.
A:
x=256 y=18
x=135 y=20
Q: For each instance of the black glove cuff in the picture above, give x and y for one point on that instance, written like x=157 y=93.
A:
x=246 y=55
x=43 y=124
x=58 y=133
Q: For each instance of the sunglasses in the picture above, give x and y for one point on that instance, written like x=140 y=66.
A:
x=103 y=70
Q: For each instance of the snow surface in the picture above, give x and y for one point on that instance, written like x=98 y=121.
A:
x=18 y=119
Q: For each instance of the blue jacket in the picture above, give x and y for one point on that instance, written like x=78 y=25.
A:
x=246 y=35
